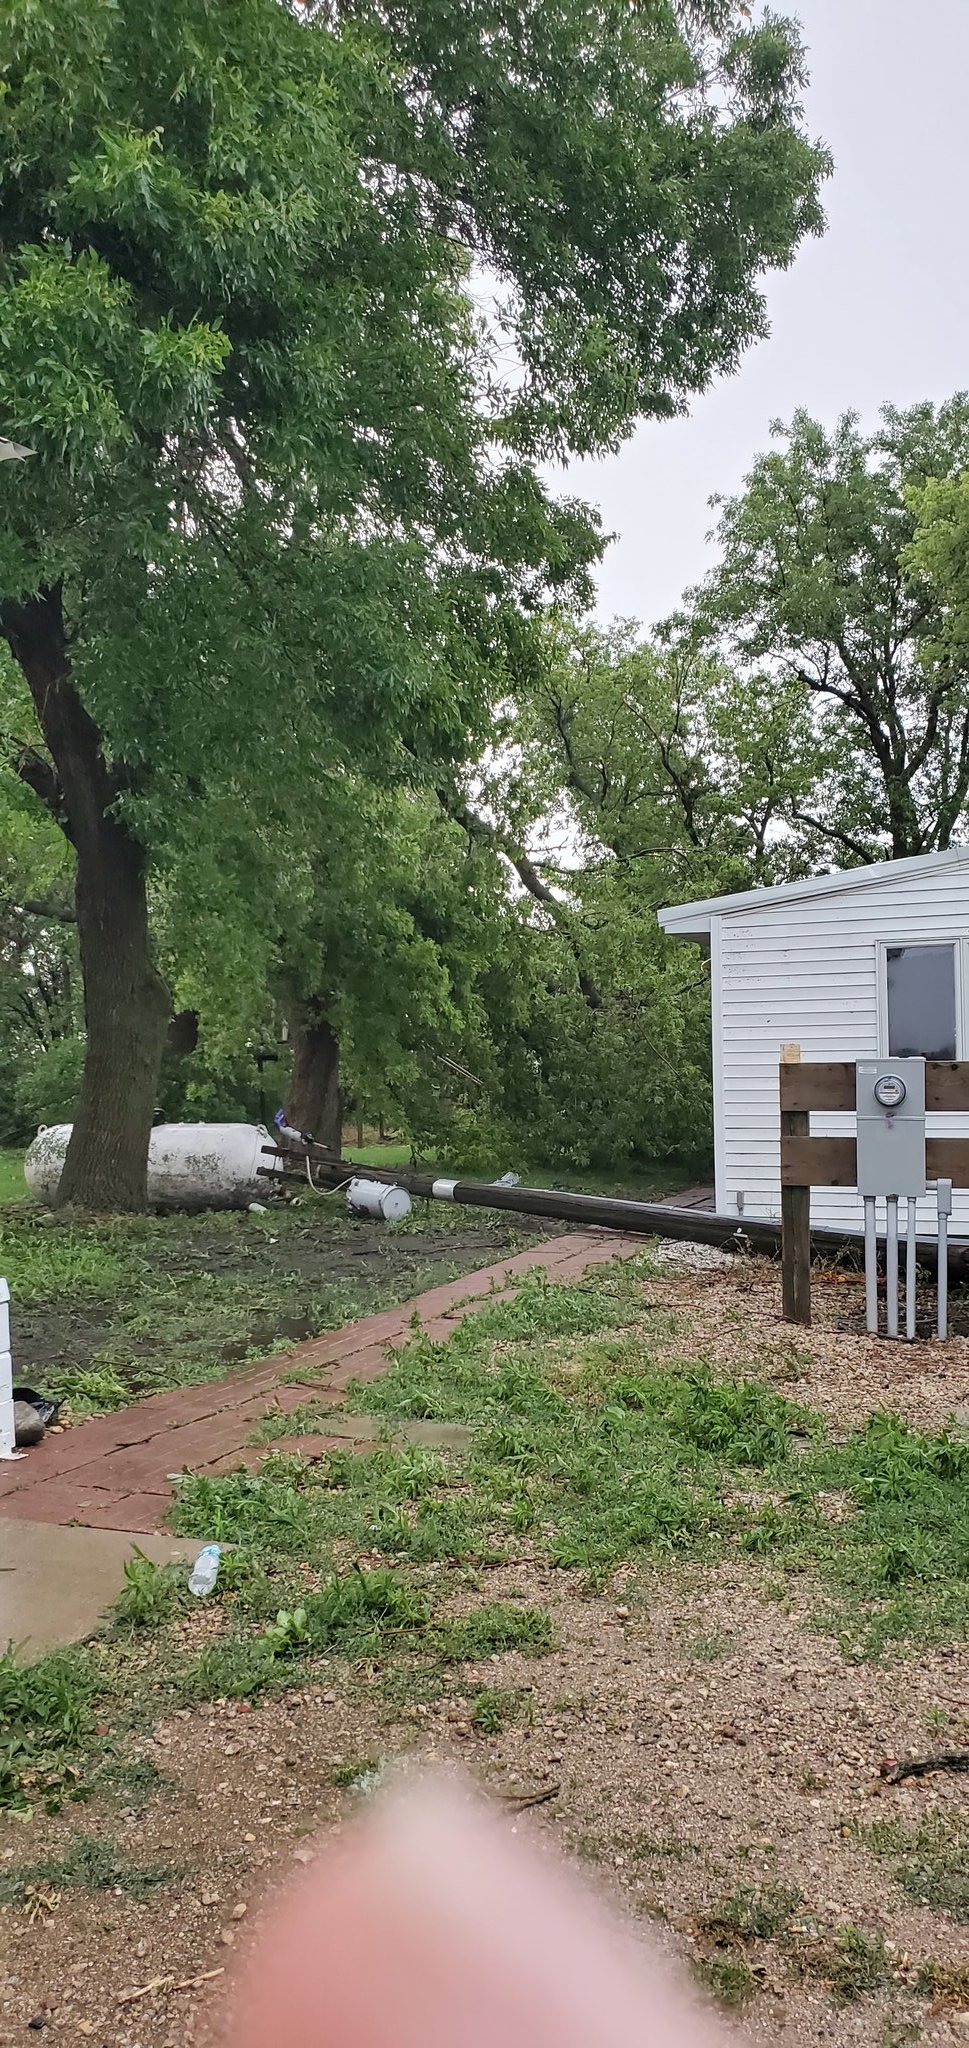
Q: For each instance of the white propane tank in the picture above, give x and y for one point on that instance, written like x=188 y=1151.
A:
x=372 y=1198
x=190 y=1166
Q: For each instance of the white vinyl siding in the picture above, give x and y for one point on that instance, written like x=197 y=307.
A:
x=812 y=972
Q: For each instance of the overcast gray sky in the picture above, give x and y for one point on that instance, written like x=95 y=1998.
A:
x=876 y=311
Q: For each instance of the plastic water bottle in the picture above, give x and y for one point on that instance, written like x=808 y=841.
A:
x=205 y=1571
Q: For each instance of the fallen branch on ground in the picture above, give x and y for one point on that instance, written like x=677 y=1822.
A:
x=895 y=1769
x=518 y=1802
x=168 y=1984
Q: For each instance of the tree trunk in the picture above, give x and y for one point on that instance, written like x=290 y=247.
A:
x=126 y=1003
x=127 y=1009
x=314 y=1101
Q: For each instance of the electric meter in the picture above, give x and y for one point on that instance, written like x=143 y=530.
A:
x=890 y=1091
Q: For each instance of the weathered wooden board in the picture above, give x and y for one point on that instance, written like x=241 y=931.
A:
x=830 y=1085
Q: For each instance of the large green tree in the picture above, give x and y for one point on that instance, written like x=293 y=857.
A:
x=819 y=586
x=670 y=760
x=282 y=515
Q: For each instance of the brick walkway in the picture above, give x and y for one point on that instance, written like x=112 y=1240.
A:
x=116 y=1471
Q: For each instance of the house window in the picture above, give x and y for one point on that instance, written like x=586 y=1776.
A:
x=921 y=1001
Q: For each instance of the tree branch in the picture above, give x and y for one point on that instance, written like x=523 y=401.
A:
x=52 y=913
x=478 y=828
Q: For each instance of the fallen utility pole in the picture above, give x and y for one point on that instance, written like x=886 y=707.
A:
x=649 y=1218
x=606 y=1212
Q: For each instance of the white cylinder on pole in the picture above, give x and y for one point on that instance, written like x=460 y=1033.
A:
x=372 y=1198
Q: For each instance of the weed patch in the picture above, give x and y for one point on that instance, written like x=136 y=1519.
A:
x=731 y=1980
x=45 y=1713
x=44 y=1258
x=132 y=1781
x=92 y=1390
x=900 y=1558
x=496 y=1707
x=265 y=1512
x=709 y=1649
x=859 y=1963
x=150 y=1593
x=356 y=1768
x=754 y=1915
x=498 y=1626
x=93 y=1863
x=946 y=1983
x=582 y=1447
x=357 y=1613
x=931 y=1861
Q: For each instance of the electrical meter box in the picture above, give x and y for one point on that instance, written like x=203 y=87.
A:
x=891 y=1127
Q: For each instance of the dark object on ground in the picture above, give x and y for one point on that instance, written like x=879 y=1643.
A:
x=28 y=1426
x=921 y=1766
x=47 y=1408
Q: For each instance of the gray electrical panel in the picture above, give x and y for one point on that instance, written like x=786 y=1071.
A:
x=891 y=1127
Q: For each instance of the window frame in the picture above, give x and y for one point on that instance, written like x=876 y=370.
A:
x=960 y=950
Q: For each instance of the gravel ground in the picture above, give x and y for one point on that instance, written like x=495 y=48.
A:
x=700 y=1735
x=731 y=1316
x=690 y=1258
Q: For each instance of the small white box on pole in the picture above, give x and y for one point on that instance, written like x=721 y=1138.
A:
x=8 y=1439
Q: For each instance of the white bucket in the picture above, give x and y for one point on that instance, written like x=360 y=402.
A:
x=372 y=1198
x=190 y=1166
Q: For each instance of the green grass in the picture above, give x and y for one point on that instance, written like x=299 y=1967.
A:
x=586 y=1452
x=13 y=1187
x=496 y=1707
x=45 y=1719
x=44 y=1258
x=150 y=1593
x=108 y=1310
x=930 y=1860
x=749 y=1914
x=729 y=1979
x=131 y=1781
x=852 y=1963
x=496 y=1627
x=860 y=1963
x=348 y=1774
x=640 y=1181
x=709 y=1649
x=379 y=1155
x=92 y=1863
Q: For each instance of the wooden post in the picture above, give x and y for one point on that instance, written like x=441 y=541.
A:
x=795 y=1217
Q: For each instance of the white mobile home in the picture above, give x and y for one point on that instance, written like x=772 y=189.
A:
x=850 y=966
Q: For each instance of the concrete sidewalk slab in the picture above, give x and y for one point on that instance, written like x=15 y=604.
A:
x=56 y=1583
